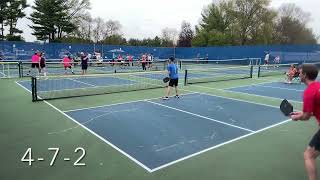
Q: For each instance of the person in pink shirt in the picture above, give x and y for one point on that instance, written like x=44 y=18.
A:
x=67 y=64
x=130 y=60
x=120 y=59
x=35 y=62
x=144 y=62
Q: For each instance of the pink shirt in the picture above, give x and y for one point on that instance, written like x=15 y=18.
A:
x=35 y=59
x=66 y=62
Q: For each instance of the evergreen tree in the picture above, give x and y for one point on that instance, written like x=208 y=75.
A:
x=50 y=20
x=14 y=12
x=3 y=12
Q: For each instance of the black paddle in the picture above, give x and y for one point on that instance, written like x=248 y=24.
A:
x=286 y=108
x=166 y=79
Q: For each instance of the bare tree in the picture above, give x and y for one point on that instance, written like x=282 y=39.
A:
x=169 y=36
x=85 y=27
x=291 y=26
x=294 y=12
x=98 y=29
x=112 y=28
x=77 y=8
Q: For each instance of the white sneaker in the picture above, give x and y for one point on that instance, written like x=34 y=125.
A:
x=165 y=98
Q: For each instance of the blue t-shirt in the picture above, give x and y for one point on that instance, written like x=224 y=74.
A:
x=173 y=71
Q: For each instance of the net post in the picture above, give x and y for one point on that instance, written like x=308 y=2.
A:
x=20 y=69
x=34 y=89
x=259 y=69
x=251 y=71
x=186 y=77
x=180 y=64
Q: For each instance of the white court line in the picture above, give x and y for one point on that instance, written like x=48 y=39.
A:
x=128 y=102
x=250 y=102
x=81 y=82
x=280 y=88
x=217 y=146
x=101 y=138
x=3 y=74
x=87 y=88
x=243 y=93
x=17 y=82
x=173 y=162
x=203 y=117
x=252 y=84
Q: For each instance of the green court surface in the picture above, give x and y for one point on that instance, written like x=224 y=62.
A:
x=273 y=153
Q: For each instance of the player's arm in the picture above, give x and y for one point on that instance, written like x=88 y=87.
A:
x=308 y=106
x=301 y=116
x=168 y=71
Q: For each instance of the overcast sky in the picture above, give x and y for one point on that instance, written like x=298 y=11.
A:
x=146 y=18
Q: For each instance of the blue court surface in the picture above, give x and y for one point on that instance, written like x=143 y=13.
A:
x=157 y=133
x=77 y=83
x=279 y=90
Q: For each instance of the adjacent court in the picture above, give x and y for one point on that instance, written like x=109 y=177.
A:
x=279 y=90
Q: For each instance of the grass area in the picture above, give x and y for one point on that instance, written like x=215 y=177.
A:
x=276 y=153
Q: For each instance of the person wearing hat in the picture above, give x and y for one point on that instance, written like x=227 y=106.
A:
x=266 y=58
x=174 y=78
x=35 y=62
x=84 y=63
x=43 y=68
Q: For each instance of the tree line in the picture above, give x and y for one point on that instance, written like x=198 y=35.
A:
x=227 y=22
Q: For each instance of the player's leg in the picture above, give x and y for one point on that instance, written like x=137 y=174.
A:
x=38 y=68
x=70 y=67
x=176 y=88
x=310 y=156
x=168 y=92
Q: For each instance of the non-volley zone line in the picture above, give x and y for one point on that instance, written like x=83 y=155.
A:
x=203 y=117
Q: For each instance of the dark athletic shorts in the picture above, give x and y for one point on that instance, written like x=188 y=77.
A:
x=66 y=67
x=173 y=82
x=35 y=65
x=315 y=141
x=84 y=67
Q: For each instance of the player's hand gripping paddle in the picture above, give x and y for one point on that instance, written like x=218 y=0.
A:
x=166 y=79
x=286 y=108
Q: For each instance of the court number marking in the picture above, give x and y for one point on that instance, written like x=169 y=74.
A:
x=28 y=157
x=54 y=156
x=80 y=158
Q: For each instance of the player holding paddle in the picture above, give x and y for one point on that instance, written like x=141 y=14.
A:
x=311 y=107
x=174 y=78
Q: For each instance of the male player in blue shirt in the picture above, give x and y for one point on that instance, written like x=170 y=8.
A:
x=174 y=78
